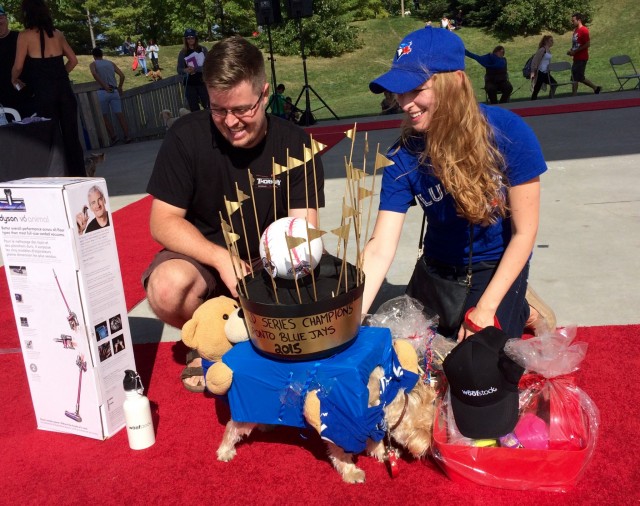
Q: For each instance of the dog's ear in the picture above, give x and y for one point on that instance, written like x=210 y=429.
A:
x=311 y=410
x=406 y=355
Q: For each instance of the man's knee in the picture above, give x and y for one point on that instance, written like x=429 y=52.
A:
x=171 y=283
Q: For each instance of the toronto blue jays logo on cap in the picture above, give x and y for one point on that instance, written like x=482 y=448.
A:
x=403 y=48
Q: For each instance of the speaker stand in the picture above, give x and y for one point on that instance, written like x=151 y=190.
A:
x=273 y=67
x=307 y=116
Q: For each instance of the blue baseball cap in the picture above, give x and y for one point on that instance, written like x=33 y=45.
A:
x=2 y=11
x=421 y=54
x=190 y=32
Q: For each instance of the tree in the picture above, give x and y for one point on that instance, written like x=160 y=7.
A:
x=327 y=33
x=509 y=18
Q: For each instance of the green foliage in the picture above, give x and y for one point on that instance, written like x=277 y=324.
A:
x=327 y=33
x=510 y=18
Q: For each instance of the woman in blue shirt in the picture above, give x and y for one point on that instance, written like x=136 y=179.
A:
x=474 y=170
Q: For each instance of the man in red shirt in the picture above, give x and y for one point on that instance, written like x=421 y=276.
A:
x=580 y=51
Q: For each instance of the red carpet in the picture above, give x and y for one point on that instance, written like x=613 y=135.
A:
x=135 y=250
x=285 y=466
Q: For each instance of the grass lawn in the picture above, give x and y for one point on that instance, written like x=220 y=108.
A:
x=343 y=82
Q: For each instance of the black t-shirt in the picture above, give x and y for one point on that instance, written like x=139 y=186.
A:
x=196 y=168
x=94 y=225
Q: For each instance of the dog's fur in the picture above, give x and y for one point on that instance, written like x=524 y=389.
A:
x=154 y=75
x=413 y=432
x=167 y=116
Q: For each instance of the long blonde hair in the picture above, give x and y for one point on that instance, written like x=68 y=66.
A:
x=461 y=149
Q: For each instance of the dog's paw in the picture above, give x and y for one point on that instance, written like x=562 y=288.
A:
x=226 y=454
x=353 y=474
x=377 y=450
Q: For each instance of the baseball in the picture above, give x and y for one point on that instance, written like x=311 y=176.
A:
x=278 y=261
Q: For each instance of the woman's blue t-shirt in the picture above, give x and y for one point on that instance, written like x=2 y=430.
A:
x=447 y=235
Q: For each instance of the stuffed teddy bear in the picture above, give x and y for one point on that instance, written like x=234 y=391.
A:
x=212 y=331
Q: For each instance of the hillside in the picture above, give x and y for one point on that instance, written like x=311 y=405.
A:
x=343 y=82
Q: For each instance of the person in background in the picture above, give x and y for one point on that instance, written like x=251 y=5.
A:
x=204 y=158
x=540 y=74
x=276 y=102
x=104 y=72
x=475 y=171
x=141 y=55
x=496 y=77
x=152 y=51
x=190 y=62
x=40 y=54
x=9 y=95
x=389 y=104
x=580 y=43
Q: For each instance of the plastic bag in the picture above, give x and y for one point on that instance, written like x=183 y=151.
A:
x=556 y=432
x=548 y=390
x=406 y=319
x=134 y=64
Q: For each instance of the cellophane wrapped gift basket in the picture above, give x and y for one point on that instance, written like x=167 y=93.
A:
x=557 y=427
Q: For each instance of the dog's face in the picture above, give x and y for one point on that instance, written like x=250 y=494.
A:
x=414 y=429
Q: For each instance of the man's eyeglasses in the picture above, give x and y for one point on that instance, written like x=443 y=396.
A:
x=239 y=112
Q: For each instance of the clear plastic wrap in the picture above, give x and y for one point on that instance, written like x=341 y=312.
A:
x=406 y=319
x=556 y=433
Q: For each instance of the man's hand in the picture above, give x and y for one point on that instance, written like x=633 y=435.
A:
x=229 y=271
x=81 y=220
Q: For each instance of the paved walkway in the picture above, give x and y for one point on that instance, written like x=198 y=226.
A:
x=585 y=262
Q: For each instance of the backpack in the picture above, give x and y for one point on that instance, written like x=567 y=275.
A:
x=526 y=70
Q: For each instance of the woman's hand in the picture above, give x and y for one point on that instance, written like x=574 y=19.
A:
x=475 y=320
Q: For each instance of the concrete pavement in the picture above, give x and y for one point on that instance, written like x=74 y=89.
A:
x=585 y=261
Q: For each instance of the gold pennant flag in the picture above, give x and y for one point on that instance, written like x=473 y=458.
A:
x=363 y=193
x=279 y=169
x=230 y=237
x=316 y=146
x=232 y=207
x=350 y=133
x=348 y=211
x=357 y=174
x=343 y=231
x=251 y=180
x=382 y=161
x=293 y=163
x=241 y=195
x=314 y=233
x=225 y=226
x=308 y=154
x=292 y=242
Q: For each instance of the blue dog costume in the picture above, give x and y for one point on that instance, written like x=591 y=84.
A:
x=270 y=391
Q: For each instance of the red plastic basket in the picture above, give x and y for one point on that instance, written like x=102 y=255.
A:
x=510 y=468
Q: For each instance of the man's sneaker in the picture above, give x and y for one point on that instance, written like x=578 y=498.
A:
x=597 y=90
x=542 y=318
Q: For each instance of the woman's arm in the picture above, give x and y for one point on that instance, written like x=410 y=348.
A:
x=524 y=201
x=537 y=58
x=21 y=54
x=379 y=253
x=72 y=59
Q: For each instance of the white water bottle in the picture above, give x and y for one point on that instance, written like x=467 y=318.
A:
x=137 y=413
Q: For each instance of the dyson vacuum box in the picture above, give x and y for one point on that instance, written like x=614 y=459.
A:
x=60 y=257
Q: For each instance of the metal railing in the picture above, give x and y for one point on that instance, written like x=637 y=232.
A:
x=141 y=107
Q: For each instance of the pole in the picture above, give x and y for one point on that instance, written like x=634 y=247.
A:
x=272 y=59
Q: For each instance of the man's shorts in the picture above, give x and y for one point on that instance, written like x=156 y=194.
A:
x=110 y=101
x=215 y=285
x=577 y=70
